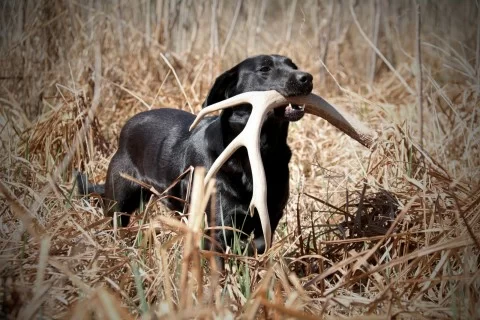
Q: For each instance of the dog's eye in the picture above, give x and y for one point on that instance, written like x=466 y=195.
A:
x=265 y=69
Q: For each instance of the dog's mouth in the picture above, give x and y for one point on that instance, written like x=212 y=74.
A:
x=290 y=112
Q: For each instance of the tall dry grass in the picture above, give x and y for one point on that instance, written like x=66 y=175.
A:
x=385 y=233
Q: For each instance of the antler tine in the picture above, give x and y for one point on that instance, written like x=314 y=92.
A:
x=259 y=195
x=246 y=97
x=337 y=116
x=227 y=153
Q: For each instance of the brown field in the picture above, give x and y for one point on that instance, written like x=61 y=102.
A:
x=391 y=232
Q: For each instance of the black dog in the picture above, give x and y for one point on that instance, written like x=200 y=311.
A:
x=156 y=147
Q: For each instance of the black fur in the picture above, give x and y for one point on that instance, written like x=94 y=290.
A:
x=156 y=147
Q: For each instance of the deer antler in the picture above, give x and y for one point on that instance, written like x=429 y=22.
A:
x=262 y=102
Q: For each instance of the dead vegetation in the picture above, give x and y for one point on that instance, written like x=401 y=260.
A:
x=387 y=233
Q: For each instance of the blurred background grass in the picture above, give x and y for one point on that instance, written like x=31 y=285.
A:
x=388 y=233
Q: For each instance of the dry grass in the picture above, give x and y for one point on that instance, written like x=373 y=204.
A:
x=387 y=233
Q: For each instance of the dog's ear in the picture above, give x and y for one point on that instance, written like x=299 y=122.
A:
x=223 y=87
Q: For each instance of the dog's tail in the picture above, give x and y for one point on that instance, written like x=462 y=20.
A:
x=84 y=187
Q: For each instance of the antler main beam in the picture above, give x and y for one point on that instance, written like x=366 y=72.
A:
x=262 y=102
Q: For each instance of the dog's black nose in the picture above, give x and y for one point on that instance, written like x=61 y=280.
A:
x=304 y=77
x=299 y=83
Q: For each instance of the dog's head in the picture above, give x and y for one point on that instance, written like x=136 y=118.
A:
x=261 y=73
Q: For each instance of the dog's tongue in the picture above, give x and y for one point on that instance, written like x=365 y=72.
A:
x=294 y=113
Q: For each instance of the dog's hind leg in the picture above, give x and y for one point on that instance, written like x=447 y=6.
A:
x=121 y=195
